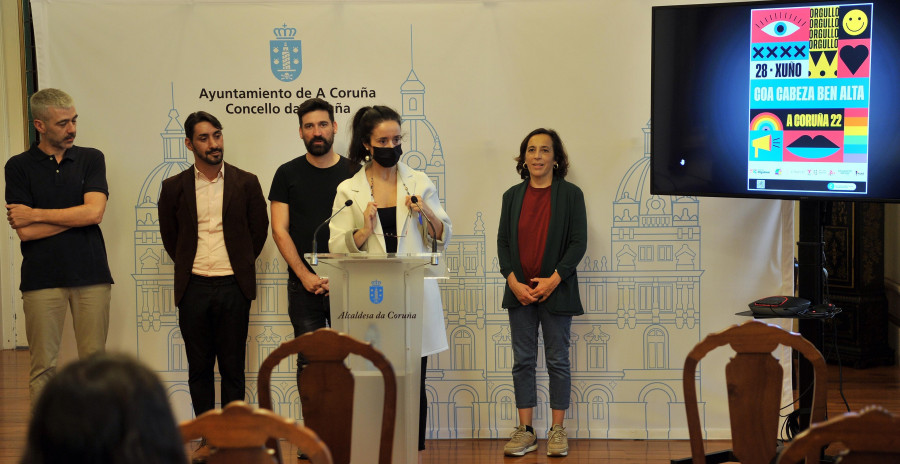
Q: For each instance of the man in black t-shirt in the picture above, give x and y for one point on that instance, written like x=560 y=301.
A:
x=302 y=194
x=56 y=195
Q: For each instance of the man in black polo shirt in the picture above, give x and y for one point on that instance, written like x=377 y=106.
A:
x=56 y=195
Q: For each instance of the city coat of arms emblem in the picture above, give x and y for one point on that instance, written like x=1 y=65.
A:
x=376 y=292
x=285 y=54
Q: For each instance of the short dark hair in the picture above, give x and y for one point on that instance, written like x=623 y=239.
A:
x=364 y=122
x=104 y=408
x=561 y=159
x=314 y=104
x=196 y=118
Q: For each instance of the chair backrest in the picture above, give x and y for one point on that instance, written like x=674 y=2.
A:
x=238 y=434
x=754 y=383
x=326 y=388
x=870 y=436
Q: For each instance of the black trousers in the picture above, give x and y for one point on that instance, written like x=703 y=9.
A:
x=213 y=316
x=423 y=406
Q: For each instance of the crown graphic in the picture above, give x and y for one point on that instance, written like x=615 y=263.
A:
x=284 y=32
x=376 y=283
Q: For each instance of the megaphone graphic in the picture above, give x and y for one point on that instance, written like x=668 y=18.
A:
x=762 y=143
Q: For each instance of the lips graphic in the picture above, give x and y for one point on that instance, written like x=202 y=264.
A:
x=813 y=147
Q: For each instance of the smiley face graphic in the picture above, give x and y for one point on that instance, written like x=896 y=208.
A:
x=855 y=22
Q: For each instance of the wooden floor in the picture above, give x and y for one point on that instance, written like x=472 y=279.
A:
x=879 y=385
x=14 y=404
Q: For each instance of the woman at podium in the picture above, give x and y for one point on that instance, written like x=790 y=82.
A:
x=394 y=209
x=541 y=240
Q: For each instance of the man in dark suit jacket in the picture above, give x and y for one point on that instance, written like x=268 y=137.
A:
x=213 y=222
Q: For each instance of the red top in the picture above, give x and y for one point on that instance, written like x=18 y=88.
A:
x=534 y=220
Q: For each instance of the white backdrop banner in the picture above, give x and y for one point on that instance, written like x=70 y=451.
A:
x=470 y=79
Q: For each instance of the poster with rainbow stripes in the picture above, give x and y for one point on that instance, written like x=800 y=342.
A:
x=809 y=98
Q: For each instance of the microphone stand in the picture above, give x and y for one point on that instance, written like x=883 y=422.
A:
x=315 y=252
x=434 y=255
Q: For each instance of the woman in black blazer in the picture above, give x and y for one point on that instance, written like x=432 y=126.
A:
x=541 y=240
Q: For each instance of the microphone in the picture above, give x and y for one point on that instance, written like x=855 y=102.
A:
x=315 y=253
x=434 y=258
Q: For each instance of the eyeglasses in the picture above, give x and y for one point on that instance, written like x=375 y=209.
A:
x=392 y=235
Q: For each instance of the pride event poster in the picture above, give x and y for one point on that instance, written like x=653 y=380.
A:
x=809 y=98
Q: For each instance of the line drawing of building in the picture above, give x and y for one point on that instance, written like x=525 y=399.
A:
x=641 y=303
x=643 y=299
x=159 y=342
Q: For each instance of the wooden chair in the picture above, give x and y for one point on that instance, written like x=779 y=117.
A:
x=754 y=383
x=238 y=434
x=870 y=436
x=326 y=388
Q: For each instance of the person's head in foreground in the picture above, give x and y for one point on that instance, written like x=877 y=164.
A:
x=107 y=408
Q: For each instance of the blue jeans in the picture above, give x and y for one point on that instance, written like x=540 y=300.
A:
x=523 y=326
x=308 y=312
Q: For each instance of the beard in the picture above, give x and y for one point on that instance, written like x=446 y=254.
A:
x=213 y=157
x=318 y=150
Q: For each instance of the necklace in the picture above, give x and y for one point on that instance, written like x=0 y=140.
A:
x=372 y=192
x=372 y=186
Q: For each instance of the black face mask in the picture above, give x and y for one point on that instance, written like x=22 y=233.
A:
x=387 y=157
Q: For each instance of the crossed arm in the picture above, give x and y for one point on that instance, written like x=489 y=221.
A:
x=35 y=223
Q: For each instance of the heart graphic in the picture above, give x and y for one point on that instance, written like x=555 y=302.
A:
x=854 y=57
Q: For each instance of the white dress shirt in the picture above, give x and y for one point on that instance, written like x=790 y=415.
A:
x=212 y=256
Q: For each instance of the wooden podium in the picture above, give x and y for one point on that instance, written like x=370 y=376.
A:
x=378 y=299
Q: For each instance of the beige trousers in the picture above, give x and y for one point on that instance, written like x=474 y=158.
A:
x=45 y=316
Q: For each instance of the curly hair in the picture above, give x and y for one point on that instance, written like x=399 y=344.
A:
x=560 y=169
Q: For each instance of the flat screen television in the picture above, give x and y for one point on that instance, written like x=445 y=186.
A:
x=790 y=100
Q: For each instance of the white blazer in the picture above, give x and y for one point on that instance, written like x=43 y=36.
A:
x=412 y=237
